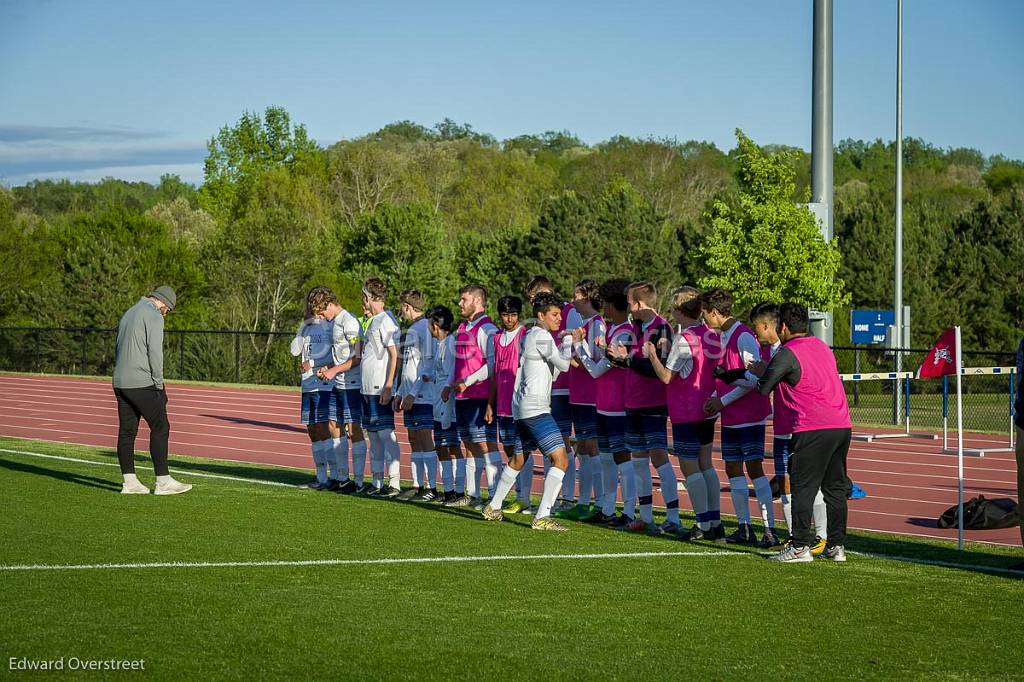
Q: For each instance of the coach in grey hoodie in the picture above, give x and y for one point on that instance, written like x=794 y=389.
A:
x=139 y=388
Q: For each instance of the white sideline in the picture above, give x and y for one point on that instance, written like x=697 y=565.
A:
x=184 y=472
x=363 y=562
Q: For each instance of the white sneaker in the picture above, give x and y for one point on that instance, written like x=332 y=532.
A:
x=172 y=487
x=134 y=488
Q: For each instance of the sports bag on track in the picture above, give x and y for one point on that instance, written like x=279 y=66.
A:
x=980 y=513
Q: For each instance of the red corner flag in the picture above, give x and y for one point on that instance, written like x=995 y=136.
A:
x=941 y=359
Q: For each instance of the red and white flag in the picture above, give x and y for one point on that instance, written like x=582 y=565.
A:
x=941 y=359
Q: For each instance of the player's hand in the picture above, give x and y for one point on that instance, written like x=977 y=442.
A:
x=306 y=365
x=757 y=367
x=713 y=406
x=600 y=342
x=488 y=414
x=579 y=334
x=617 y=351
x=396 y=404
x=446 y=393
x=407 y=403
x=664 y=345
x=385 y=395
x=460 y=387
x=650 y=350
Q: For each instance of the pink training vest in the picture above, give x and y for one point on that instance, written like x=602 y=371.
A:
x=582 y=386
x=561 y=384
x=686 y=397
x=753 y=407
x=506 y=363
x=611 y=386
x=643 y=391
x=818 y=401
x=469 y=357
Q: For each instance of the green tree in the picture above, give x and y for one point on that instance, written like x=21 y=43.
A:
x=767 y=247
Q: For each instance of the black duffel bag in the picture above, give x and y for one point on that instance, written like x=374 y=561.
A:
x=981 y=513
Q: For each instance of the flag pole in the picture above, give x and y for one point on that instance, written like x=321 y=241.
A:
x=959 y=442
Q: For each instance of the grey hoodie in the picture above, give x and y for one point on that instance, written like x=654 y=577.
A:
x=139 y=360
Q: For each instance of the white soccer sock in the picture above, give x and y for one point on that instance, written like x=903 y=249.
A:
x=820 y=515
x=763 y=490
x=359 y=461
x=609 y=483
x=327 y=453
x=697 y=490
x=377 y=460
x=787 y=511
x=644 y=487
x=627 y=477
x=552 y=484
x=596 y=478
x=669 y=491
x=492 y=467
x=460 y=475
x=740 y=498
x=586 y=480
x=526 y=481
x=414 y=460
x=714 y=488
x=319 y=461
x=472 y=476
x=341 y=456
x=392 y=456
x=430 y=459
x=505 y=483
x=448 y=475
x=569 y=480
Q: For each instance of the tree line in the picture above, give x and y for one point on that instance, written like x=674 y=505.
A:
x=433 y=208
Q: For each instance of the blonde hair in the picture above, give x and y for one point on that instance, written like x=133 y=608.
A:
x=645 y=292
x=686 y=300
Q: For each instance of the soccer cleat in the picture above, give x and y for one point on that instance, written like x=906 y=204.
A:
x=349 y=487
x=407 y=495
x=134 y=488
x=818 y=547
x=547 y=523
x=459 y=501
x=389 y=493
x=428 y=495
x=448 y=496
x=478 y=504
x=641 y=526
x=792 y=554
x=365 y=490
x=514 y=507
x=668 y=528
x=716 y=534
x=172 y=487
x=573 y=513
x=599 y=518
x=744 y=535
x=563 y=505
x=620 y=522
x=313 y=485
x=492 y=514
x=694 y=533
x=834 y=553
x=769 y=540
x=333 y=485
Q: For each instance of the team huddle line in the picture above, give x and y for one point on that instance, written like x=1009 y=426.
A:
x=592 y=384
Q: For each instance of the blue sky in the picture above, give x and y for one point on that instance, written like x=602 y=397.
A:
x=134 y=89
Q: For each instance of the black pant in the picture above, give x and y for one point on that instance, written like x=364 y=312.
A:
x=818 y=460
x=150 y=403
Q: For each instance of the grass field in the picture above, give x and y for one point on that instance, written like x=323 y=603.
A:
x=531 y=605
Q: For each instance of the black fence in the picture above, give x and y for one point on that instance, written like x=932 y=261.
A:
x=250 y=357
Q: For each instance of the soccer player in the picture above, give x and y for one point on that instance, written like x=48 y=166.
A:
x=744 y=413
x=346 y=404
x=561 y=410
x=813 y=400
x=583 y=399
x=415 y=396
x=647 y=410
x=312 y=345
x=507 y=345
x=379 y=364
x=764 y=320
x=610 y=406
x=446 y=436
x=542 y=361
x=690 y=381
x=474 y=356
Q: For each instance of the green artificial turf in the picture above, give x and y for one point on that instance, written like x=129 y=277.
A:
x=714 y=613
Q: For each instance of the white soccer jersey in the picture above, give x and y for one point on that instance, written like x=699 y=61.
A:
x=381 y=333
x=312 y=343
x=540 y=363
x=443 y=375
x=347 y=336
x=419 y=351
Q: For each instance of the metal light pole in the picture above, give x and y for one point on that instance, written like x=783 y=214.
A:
x=898 y=335
x=821 y=131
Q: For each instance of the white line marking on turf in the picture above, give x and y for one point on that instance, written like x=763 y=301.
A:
x=363 y=562
x=935 y=562
x=184 y=472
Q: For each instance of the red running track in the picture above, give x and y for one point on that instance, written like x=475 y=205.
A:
x=909 y=482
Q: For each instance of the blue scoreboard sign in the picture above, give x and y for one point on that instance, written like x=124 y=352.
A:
x=869 y=326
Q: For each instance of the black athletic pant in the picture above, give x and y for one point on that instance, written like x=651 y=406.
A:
x=818 y=460
x=149 y=403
